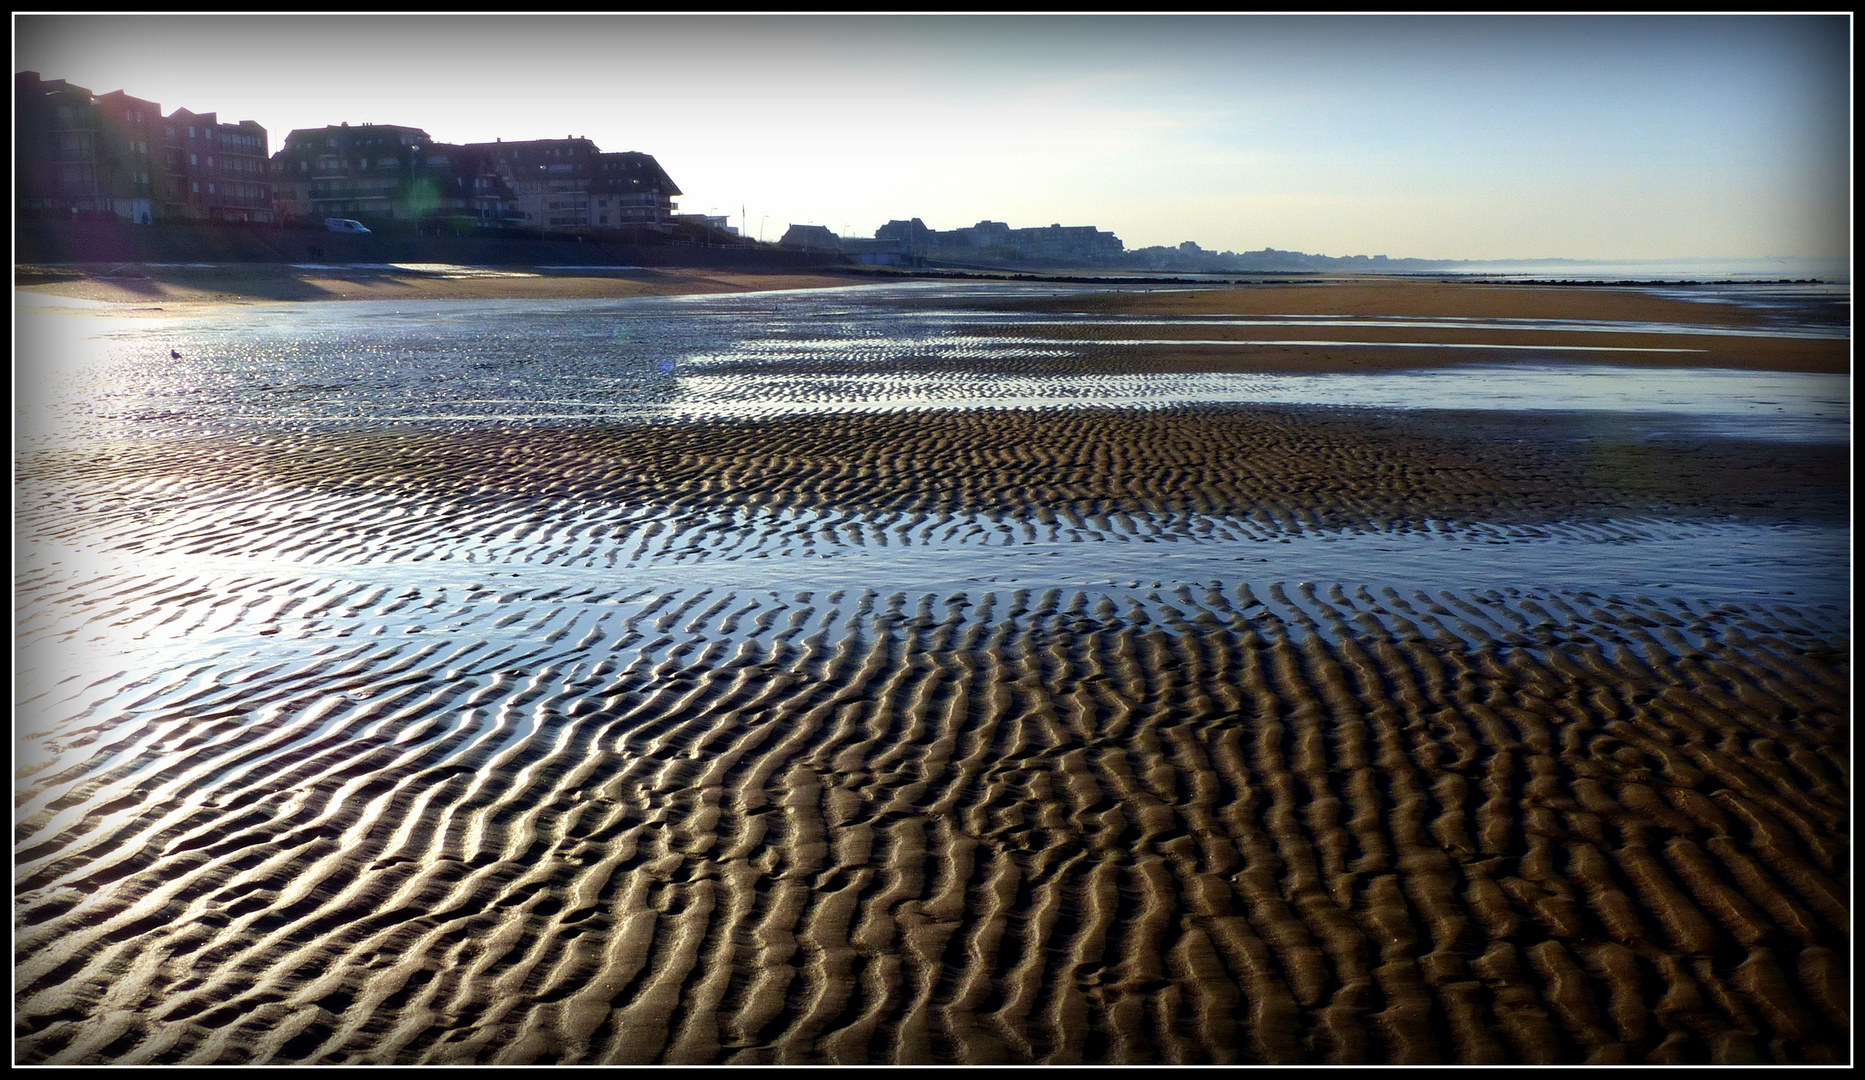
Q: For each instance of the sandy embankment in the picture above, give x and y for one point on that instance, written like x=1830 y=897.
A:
x=478 y=818
x=138 y=284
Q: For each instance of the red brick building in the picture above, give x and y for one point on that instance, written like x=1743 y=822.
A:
x=79 y=153
x=214 y=171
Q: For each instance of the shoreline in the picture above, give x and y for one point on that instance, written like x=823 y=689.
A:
x=1631 y=325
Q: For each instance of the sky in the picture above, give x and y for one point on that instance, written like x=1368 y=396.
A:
x=1446 y=137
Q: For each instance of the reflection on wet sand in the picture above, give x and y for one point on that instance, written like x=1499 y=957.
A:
x=1211 y=732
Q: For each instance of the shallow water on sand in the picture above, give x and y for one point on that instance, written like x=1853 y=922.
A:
x=479 y=363
x=741 y=548
x=512 y=682
x=1740 y=404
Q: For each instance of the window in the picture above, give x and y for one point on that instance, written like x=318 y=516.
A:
x=194 y=159
x=190 y=131
x=210 y=189
x=195 y=186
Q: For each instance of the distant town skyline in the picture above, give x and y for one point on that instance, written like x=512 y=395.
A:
x=1495 y=137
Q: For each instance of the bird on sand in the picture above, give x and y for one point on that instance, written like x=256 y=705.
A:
x=174 y=354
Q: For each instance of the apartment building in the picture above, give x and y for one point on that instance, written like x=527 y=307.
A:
x=550 y=179
x=81 y=153
x=75 y=152
x=379 y=173
x=995 y=241
x=209 y=170
x=570 y=185
x=631 y=189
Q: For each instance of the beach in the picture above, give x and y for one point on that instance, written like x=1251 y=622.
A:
x=693 y=667
x=137 y=285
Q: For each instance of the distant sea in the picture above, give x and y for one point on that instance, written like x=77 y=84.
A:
x=1768 y=269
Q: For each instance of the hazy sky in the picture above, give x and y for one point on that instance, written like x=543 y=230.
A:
x=1435 y=137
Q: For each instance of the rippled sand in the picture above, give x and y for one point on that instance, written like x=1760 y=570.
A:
x=628 y=743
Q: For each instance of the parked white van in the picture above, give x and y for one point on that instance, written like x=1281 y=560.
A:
x=337 y=224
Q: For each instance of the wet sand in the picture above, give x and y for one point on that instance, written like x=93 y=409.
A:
x=895 y=829
x=1391 y=296
x=1280 y=350
x=140 y=287
x=397 y=745
x=1651 y=330
x=1288 y=468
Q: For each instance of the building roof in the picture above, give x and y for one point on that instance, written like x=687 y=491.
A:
x=351 y=135
x=538 y=151
x=811 y=236
x=632 y=171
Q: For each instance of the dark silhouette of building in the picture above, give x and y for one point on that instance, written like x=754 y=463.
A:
x=79 y=154
x=569 y=185
x=818 y=240
x=382 y=173
x=810 y=238
x=76 y=153
x=113 y=154
x=631 y=188
x=995 y=241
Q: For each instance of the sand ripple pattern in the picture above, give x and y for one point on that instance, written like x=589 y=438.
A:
x=399 y=745
x=554 y=494
x=1198 y=826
